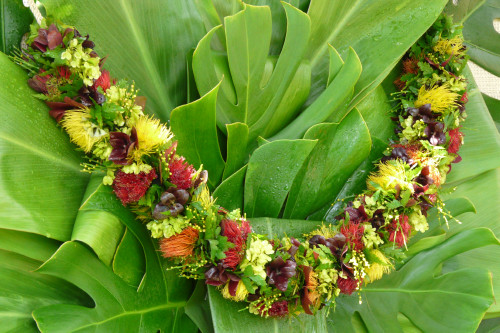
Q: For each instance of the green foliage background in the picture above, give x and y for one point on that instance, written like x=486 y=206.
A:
x=294 y=102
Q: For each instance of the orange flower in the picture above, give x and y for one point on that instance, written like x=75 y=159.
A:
x=410 y=65
x=180 y=245
x=310 y=296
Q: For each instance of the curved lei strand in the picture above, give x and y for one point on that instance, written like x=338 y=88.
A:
x=276 y=277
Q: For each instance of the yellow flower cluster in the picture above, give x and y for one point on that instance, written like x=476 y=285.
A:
x=379 y=267
x=449 y=46
x=79 y=59
x=439 y=97
x=151 y=134
x=389 y=175
x=81 y=130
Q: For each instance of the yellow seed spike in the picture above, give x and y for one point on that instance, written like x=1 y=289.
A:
x=388 y=176
x=378 y=269
x=77 y=124
x=439 y=97
x=449 y=46
x=150 y=135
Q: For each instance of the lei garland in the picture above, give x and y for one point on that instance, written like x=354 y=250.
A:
x=277 y=277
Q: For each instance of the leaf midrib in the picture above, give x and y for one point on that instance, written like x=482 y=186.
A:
x=132 y=313
x=40 y=153
x=414 y=291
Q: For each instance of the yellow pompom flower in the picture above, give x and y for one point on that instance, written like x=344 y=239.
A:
x=439 y=97
x=449 y=46
x=378 y=269
x=240 y=295
x=81 y=130
x=151 y=134
x=389 y=175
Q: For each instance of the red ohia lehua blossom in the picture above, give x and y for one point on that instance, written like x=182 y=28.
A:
x=181 y=171
x=455 y=140
x=63 y=72
x=278 y=309
x=130 y=187
x=104 y=81
x=237 y=234
x=353 y=233
x=347 y=286
x=399 y=230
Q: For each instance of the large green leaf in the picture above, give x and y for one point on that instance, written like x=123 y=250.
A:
x=482 y=141
x=194 y=127
x=266 y=92
x=271 y=171
x=22 y=290
x=493 y=105
x=256 y=90
x=421 y=296
x=482 y=40
x=375 y=110
x=15 y=20
x=157 y=305
x=377 y=30
x=484 y=192
x=41 y=185
x=462 y=9
x=340 y=150
x=146 y=43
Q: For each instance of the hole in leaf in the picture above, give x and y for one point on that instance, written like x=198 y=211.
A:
x=496 y=24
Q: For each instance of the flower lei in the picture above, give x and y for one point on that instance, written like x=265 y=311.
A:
x=106 y=120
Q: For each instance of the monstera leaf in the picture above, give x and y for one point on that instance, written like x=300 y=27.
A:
x=156 y=305
x=376 y=30
x=252 y=87
x=409 y=293
x=483 y=41
x=261 y=91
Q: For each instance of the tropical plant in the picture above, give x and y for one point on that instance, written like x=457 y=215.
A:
x=244 y=86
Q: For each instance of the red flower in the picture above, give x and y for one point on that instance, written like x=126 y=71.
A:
x=464 y=99
x=353 y=232
x=64 y=72
x=130 y=187
x=277 y=309
x=347 y=286
x=455 y=140
x=182 y=171
x=398 y=231
x=237 y=234
x=104 y=81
